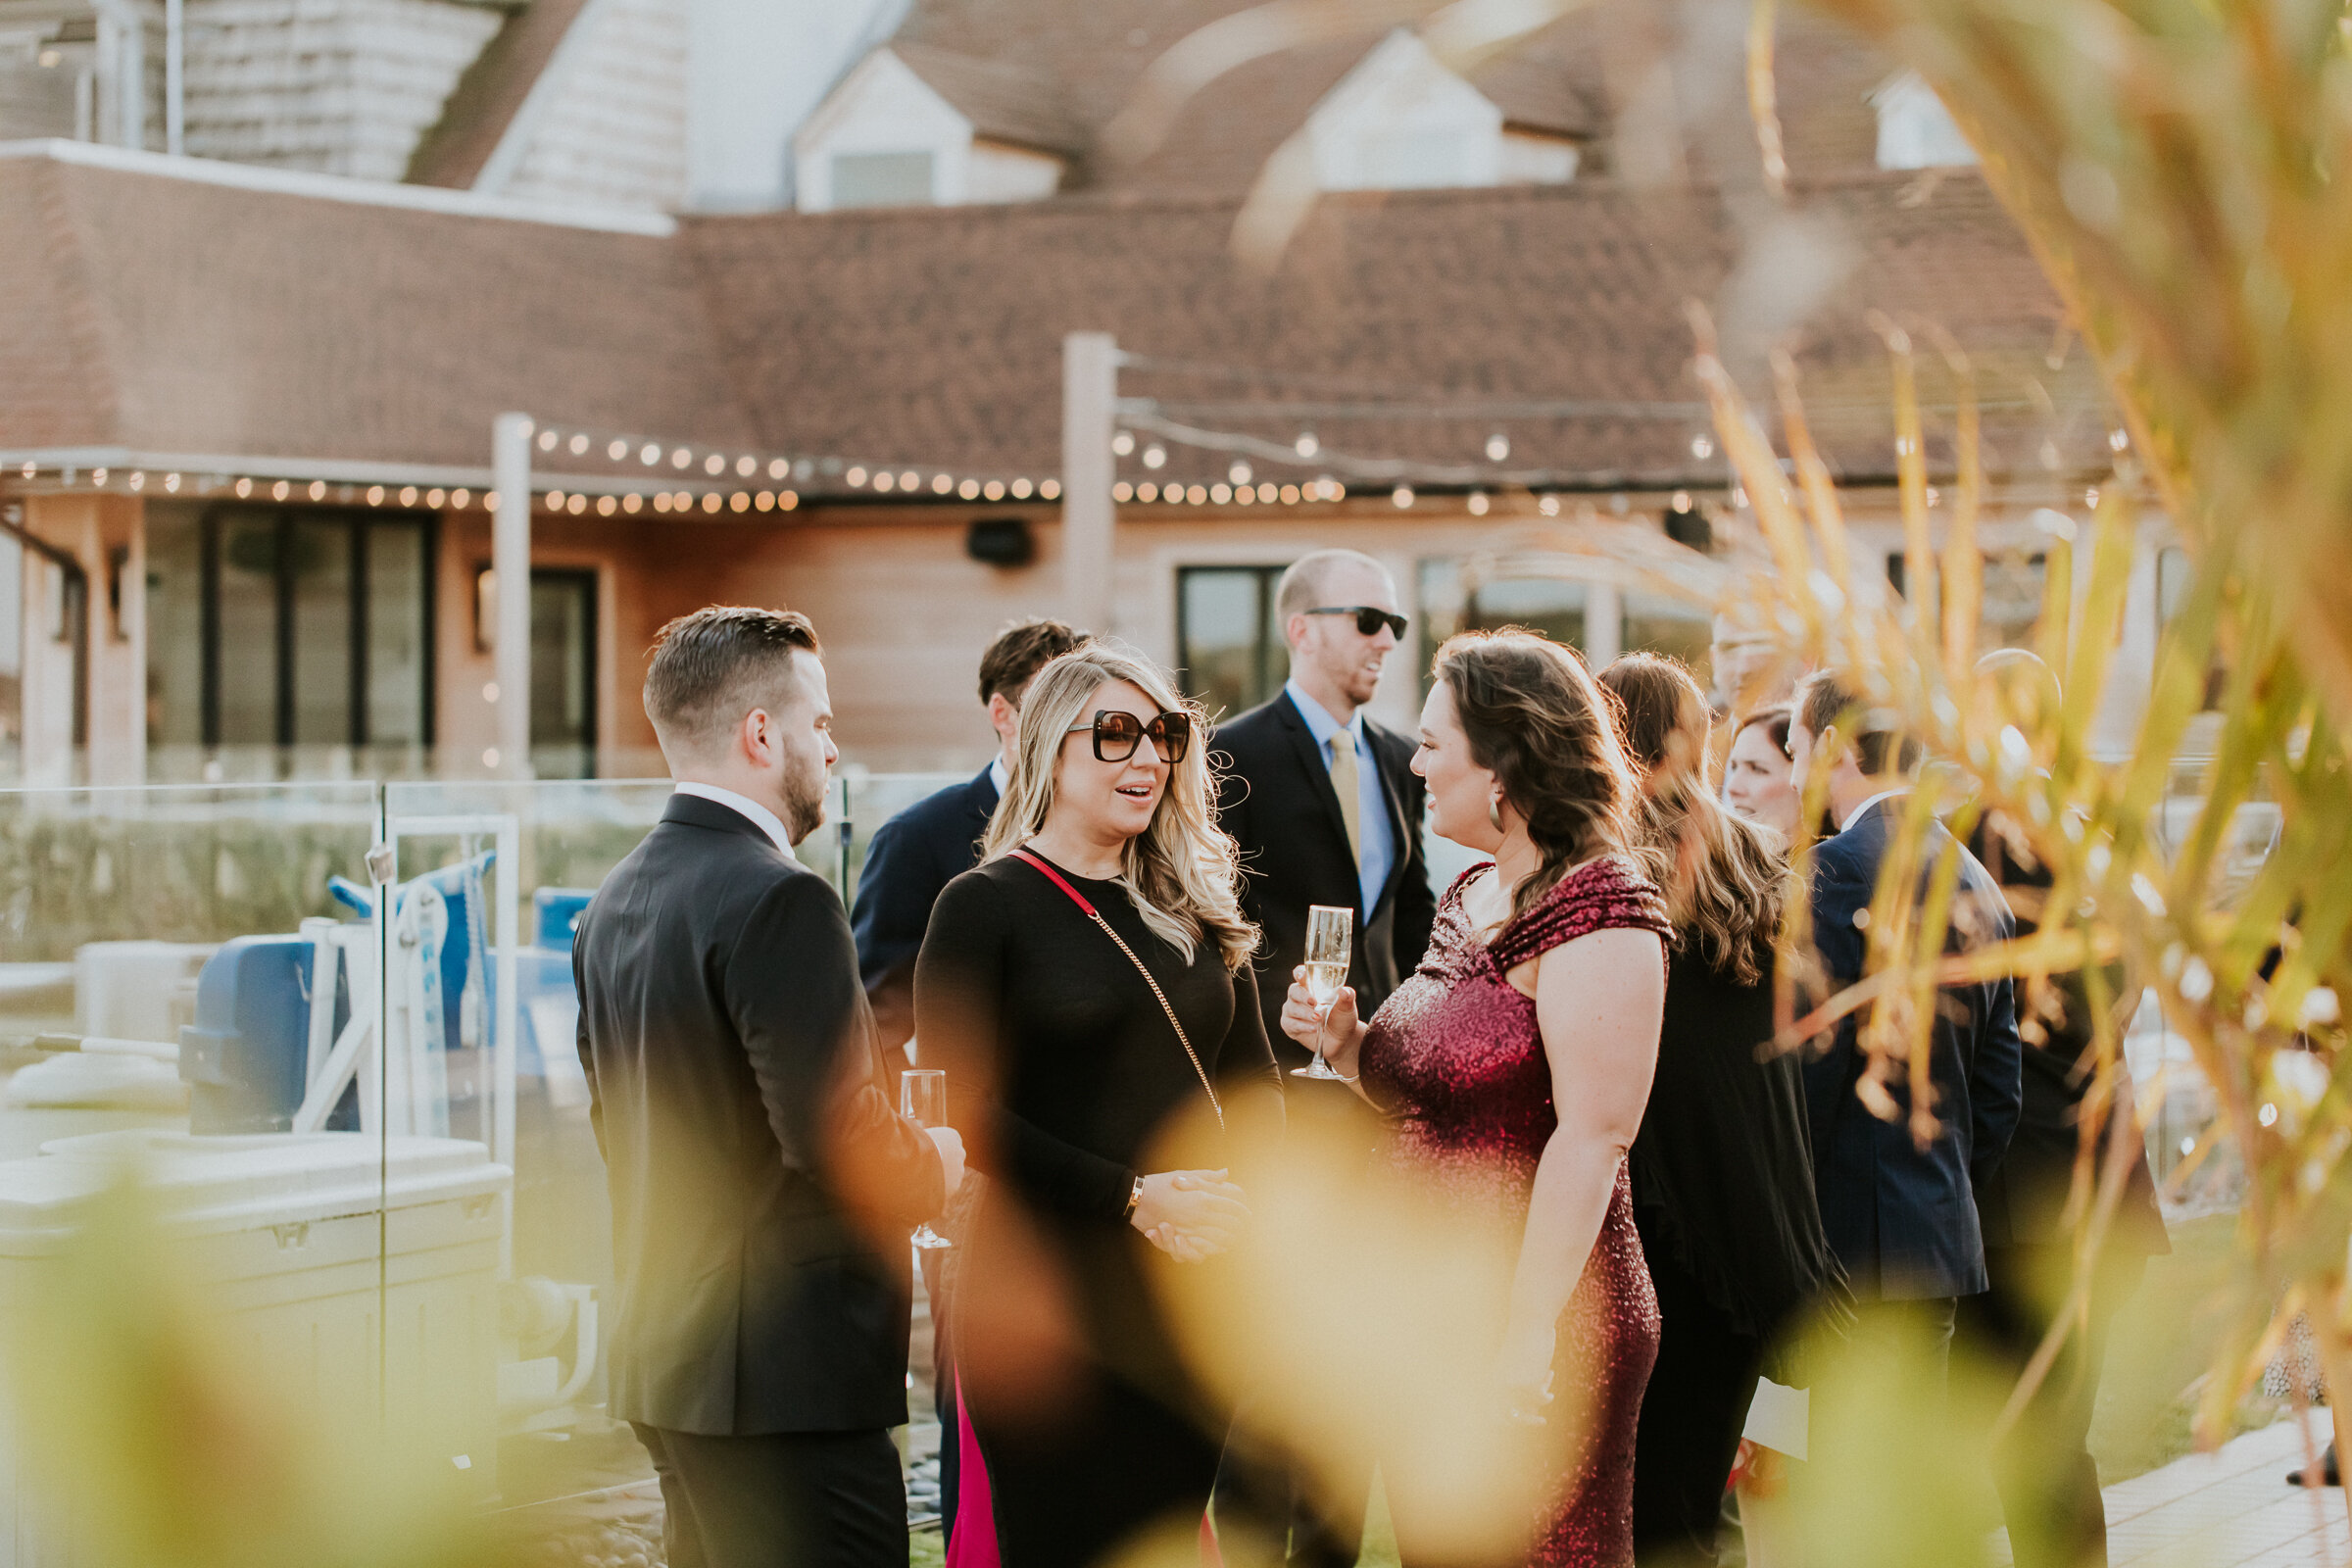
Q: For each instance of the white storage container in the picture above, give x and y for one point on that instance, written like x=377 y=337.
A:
x=124 y=988
x=282 y=1233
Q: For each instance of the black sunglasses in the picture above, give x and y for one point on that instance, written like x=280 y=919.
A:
x=1368 y=619
x=1117 y=735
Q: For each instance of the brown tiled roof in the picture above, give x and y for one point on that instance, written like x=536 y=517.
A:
x=1004 y=101
x=180 y=315
x=490 y=94
x=935 y=336
x=176 y=314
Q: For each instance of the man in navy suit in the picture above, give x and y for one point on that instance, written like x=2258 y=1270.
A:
x=912 y=857
x=937 y=839
x=1901 y=1216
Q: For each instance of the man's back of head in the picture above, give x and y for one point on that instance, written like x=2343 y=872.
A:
x=712 y=667
x=1020 y=651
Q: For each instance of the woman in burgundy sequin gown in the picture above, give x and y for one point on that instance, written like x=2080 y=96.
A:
x=1515 y=1063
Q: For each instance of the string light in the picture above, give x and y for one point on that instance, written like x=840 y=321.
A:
x=1549 y=505
x=942 y=483
x=856 y=477
x=1288 y=494
x=580 y=444
x=994 y=490
x=1401 y=496
x=1123 y=443
x=1703 y=446
x=1122 y=491
x=606 y=506
x=778 y=467
x=1239 y=473
x=886 y=482
x=462 y=498
x=746 y=467
x=1478 y=503
x=138 y=480
x=1048 y=489
x=632 y=502
x=244 y=488
x=408 y=494
x=29 y=469
x=618 y=450
x=280 y=490
x=908 y=479
x=547 y=440
x=1020 y=489
x=969 y=490
x=1498 y=447
x=649 y=454
x=1219 y=493
x=1307 y=446
x=1155 y=455
x=433 y=498
x=376 y=495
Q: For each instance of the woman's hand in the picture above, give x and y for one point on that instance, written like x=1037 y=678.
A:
x=1523 y=1371
x=1337 y=1035
x=1190 y=1214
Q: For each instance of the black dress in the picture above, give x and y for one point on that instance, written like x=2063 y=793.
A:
x=1723 y=1197
x=1090 y=1426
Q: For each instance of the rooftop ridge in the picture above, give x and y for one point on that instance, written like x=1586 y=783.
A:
x=340 y=187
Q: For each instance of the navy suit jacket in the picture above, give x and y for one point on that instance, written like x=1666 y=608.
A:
x=1902 y=1220
x=912 y=857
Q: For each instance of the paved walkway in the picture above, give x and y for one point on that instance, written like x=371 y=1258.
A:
x=2230 y=1509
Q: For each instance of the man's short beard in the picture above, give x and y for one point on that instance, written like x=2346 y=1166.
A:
x=803 y=802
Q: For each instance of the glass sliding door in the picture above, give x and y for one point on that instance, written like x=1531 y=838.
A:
x=564 y=671
x=282 y=626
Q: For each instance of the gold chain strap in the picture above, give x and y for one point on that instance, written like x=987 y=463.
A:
x=1182 y=1037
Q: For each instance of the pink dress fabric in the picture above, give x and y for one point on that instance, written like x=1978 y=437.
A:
x=1455 y=1051
x=972 y=1544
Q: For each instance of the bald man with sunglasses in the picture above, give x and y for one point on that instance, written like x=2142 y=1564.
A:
x=1327 y=810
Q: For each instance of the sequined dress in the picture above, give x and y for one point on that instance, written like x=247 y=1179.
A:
x=1455 y=1055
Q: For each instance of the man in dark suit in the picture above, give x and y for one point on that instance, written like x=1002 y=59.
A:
x=762 y=1185
x=2048 y=1482
x=1327 y=810
x=1902 y=1218
x=937 y=839
x=912 y=857
x=1322 y=800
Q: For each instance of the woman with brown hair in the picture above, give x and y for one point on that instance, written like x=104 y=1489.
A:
x=1515 y=1062
x=1722 y=1171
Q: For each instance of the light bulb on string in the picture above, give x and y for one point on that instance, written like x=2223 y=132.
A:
x=1155 y=455
x=547 y=440
x=1048 y=489
x=714 y=464
x=1478 y=503
x=1239 y=473
x=778 y=467
x=618 y=450
x=649 y=454
x=1307 y=446
x=1401 y=497
x=1123 y=443
x=1703 y=446
x=579 y=445
x=1498 y=447
x=746 y=467
x=1020 y=489
x=679 y=457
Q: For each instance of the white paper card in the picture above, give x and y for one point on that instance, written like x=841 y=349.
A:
x=1778 y=1417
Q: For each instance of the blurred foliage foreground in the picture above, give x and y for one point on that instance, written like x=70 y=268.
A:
x=2175 y=166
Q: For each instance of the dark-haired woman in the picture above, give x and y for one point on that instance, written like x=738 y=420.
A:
x=1516 y=1060
x=1722 y=1171
x=1759 y=783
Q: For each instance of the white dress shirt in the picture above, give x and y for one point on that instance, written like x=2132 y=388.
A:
x=758 y=815
x=1000 y=775
x=1857 y=814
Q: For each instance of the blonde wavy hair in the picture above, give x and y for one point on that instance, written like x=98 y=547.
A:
x=1183 y=871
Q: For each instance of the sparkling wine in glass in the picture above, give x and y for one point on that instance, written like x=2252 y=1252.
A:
x=923 y=1101
x=1330 y=944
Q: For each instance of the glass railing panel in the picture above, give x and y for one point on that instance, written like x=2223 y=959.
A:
x=193 y=990
x=502 y=1068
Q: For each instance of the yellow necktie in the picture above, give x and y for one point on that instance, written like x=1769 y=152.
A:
x=1343 y=784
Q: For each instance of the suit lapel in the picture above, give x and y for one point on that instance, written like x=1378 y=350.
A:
x=1399 y=828
x=1319 y=769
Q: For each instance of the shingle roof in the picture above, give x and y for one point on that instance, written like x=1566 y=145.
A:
x=172 y=315
x=1004 y=101
x=935 y=336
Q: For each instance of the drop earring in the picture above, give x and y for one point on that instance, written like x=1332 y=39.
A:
x=1494 y=812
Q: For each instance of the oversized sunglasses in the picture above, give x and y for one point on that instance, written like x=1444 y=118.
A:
x=1117 y=735
x=1369 y=618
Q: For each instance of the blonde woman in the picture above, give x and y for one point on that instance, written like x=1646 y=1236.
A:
x=1722 y=1169
x=1089 y=985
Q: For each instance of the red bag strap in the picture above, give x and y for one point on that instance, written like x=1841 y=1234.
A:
x=1096 y=916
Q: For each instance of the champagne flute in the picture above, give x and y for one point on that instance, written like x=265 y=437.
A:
x=923 y=1101
x=1330 y=938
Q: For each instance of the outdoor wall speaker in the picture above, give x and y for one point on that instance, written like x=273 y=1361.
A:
x=1001 y=540
x=1687 y=526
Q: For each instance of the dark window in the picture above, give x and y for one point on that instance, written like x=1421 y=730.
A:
x=564 y=671
x=310 y=627
x=1661 y=623
x=1231 y=651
